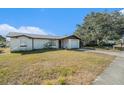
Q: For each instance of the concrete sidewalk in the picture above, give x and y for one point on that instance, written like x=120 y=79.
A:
x=113 y=75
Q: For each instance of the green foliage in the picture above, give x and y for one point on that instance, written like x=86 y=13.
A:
x=2 y=41
x=100 y=27
x=48 y=45
x=62 y=80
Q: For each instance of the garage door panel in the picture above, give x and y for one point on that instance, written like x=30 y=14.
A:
x=38 y=44
x=74 y=43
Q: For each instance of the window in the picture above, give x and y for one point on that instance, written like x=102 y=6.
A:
x=53 y=43
x=50 y=44
x=23 y=43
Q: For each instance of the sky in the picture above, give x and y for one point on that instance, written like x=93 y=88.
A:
x=46 y=21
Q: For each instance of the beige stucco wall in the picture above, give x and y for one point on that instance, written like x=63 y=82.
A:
x=38 y=43
x=15 y=43
x=57 y=43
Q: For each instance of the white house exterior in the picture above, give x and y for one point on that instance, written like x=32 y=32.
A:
x=23 y=41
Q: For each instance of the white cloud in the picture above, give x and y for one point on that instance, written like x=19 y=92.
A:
x=5 y=29
x=122 y=11
x=32 y=30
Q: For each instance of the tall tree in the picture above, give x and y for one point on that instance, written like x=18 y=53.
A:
x=100 y=27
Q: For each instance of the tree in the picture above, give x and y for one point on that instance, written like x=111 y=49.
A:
x=100 y=27
x=2 y=41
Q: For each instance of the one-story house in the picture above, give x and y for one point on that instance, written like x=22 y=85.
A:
x=24 y=41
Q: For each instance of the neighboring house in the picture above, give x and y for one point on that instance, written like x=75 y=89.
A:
x=24 y=41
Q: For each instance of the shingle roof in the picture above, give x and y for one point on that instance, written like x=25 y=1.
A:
x=16 y=34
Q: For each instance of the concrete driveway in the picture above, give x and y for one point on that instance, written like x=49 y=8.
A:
x=114 y=74
x=119 y=54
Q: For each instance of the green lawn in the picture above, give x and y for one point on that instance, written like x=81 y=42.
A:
x=52 y=67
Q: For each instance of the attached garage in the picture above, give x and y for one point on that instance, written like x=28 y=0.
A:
x=74 y=43
x=70 y=42
x=37 y=44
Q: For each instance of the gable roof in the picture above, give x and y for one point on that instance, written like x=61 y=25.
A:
x=70 y=37
x=16 y=34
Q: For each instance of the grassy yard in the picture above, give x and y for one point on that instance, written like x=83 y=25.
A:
x=52 y=67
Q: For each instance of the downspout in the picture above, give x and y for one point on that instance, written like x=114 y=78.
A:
x=32 y=44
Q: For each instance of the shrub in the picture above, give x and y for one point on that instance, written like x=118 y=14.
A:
x=119 y=48
x=62 y=80
x=48 y=45
x=66 y=71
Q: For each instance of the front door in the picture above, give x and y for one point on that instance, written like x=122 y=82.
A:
x=60 y=44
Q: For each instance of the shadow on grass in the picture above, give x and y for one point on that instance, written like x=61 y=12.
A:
x=82 y=49
x=50 y=50
x=35 y=51
x=2 y=51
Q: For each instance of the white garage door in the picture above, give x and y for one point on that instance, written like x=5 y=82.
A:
x=38 y=44
x=74 y=43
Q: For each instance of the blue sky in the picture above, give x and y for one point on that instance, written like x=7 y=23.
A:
x=53 y=21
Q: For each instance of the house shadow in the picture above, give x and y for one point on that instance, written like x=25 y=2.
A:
x=49 y=50
x=82 y=49
x=35 y=51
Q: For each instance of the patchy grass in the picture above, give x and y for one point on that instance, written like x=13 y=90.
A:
x=52 y=67
x=4 y=50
